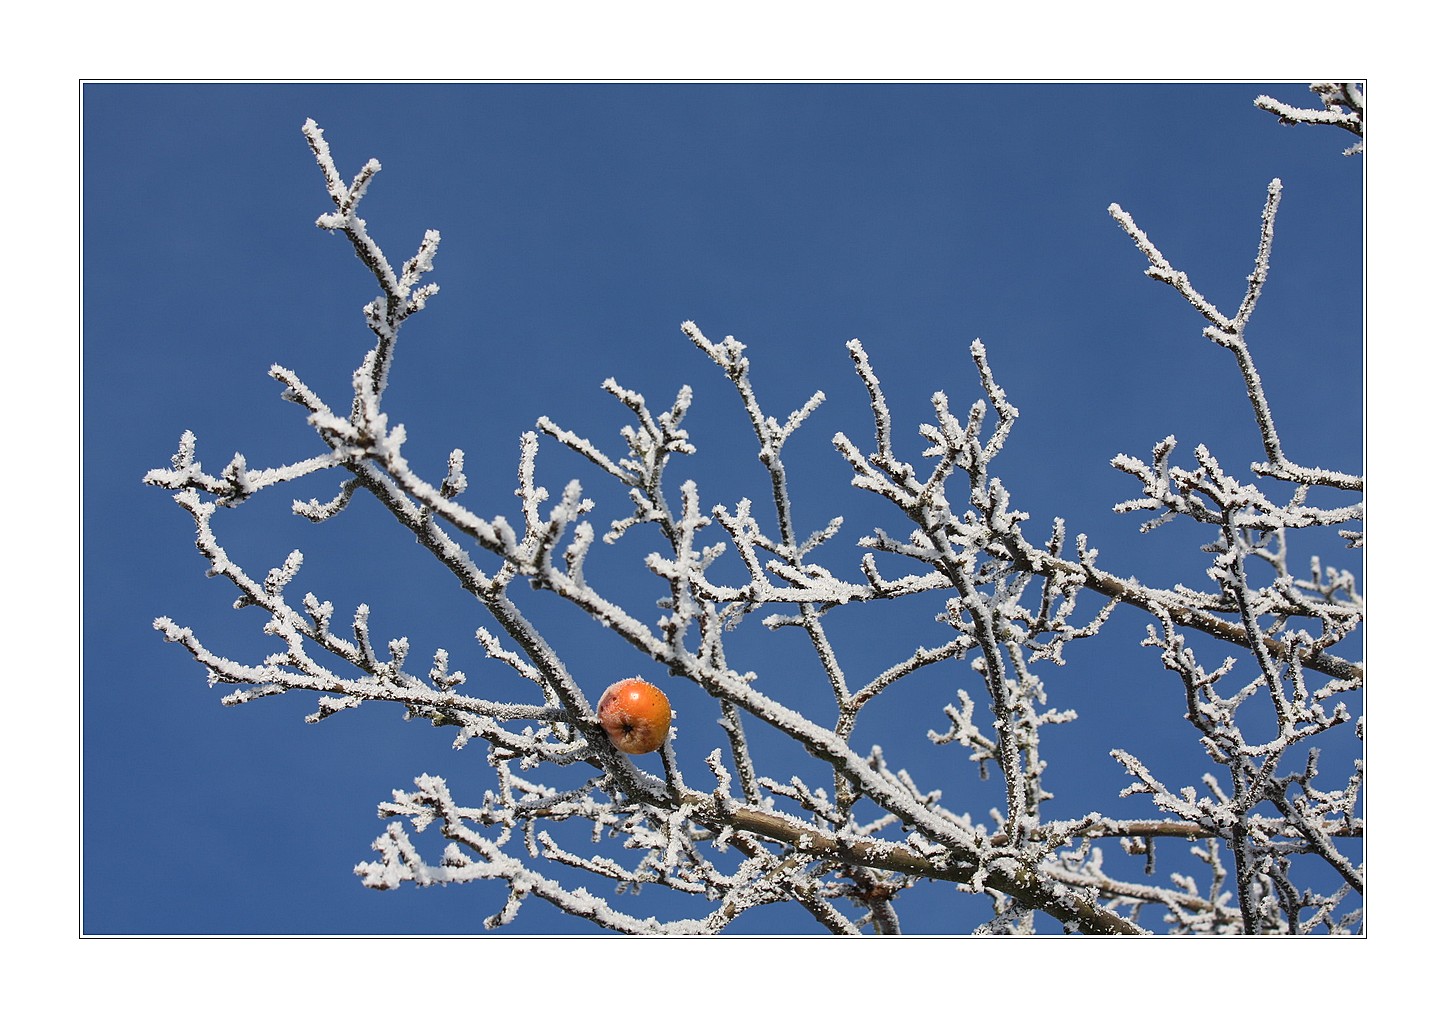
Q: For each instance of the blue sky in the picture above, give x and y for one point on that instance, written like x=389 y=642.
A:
x=580 y=225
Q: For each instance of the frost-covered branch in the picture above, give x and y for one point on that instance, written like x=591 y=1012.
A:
x=401 y=296
x=779 y=807
x=1343 y=105
x=1230 y=333
x=1286 y=622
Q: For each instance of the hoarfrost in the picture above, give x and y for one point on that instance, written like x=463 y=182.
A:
x=843 y=852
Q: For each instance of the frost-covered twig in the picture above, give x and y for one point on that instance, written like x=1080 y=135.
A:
x=401 y=296
x=1344 y=106
x=1230 y=333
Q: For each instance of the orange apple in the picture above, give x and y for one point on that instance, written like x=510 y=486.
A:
x=636 y=715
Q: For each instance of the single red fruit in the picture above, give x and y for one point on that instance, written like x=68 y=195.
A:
x=636 y=715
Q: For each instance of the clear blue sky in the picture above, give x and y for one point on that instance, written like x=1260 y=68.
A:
x=580 y=225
